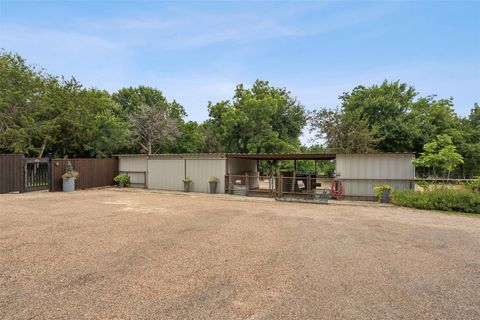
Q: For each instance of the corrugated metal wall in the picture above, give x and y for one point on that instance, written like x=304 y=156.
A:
x=201 y=170
x=132 y=164
x=361 y=173
x=135 y=167
x=166 y=174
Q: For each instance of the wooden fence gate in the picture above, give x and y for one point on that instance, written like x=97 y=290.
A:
x=37 y=174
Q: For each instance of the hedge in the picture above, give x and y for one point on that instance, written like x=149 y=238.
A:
x=444 y=199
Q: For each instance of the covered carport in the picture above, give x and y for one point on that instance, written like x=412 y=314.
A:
x=355 y=177
x=274 y=182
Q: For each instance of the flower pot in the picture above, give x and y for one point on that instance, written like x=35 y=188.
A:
x=213 y=187
x=121 y=184
x=385 y=198
x=68 y=184
x=186 y=186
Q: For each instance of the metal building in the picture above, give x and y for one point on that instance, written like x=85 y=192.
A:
x=359 y=173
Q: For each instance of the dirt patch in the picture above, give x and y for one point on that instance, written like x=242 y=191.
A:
x=121 y=254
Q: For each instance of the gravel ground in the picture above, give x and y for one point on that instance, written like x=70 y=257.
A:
x=135 y=254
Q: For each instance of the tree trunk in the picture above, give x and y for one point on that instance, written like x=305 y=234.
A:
x=42 y=149
x=149 y=148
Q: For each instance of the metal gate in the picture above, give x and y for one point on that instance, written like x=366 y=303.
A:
x=37 y=174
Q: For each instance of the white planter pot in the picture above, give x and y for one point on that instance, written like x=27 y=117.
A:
x=69 y=185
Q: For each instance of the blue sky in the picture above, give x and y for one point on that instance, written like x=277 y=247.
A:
x=198 y=51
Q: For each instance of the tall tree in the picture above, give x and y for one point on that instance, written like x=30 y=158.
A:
x=150 y=126
x=385 y=107
x=28 y=117
x=260 y=119
x=342 y=131
x=136 y=99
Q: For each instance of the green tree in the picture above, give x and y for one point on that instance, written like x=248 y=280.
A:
x=211 y=142
x=440 y=154
x=385 y=107
x=259 y=119
x=191 y=138
x=88 y=124
x=469 y=145
x=39 y=113
x=28 y=114
x=431 y=117
x=136 y=99
x=342 y=131
x=109 y=134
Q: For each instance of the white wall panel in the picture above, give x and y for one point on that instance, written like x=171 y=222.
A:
x=201 y=170
x=166 y=174
x=132 y=164
x=361 y=173
x=375 y=166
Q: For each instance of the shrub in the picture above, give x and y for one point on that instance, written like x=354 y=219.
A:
x=424 y=184
x=213 y=180
x=473 y=185
x=70 y=174
x=439 y=199
x=379 y=191
x=187 y=180
x=122 y=178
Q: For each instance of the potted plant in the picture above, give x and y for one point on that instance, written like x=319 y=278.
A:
x=187 y=182
x=122 y=180
x=213 y=181
x=383 y=193
x=69 y=178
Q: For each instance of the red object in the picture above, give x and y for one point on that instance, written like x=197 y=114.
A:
x=336 y=189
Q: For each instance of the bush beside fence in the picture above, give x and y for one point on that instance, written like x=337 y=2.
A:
x=443 y=199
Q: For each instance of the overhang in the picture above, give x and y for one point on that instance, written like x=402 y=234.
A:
x=283 y=156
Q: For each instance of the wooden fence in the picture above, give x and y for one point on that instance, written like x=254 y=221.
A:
x=92 y=172
x=12 y=172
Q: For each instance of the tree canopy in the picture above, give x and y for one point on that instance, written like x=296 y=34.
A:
x=262 y=119
x=392 y=117
x=41 y=113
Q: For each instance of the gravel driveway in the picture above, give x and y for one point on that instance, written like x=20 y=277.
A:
x=136 y=254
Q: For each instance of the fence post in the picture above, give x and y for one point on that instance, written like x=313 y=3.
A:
x=247 y=184
x=49 y=156
x=309 y=186
x=280 y=185
x=23 y=175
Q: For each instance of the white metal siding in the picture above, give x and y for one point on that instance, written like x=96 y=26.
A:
x=200 y=172
x=375 y=166
x=136 y=178
x=135 y=168
x=132 y=164
x=166 y=174
x=375 y=169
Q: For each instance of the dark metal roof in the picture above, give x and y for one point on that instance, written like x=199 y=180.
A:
x=283 y=156
x=255 y=156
